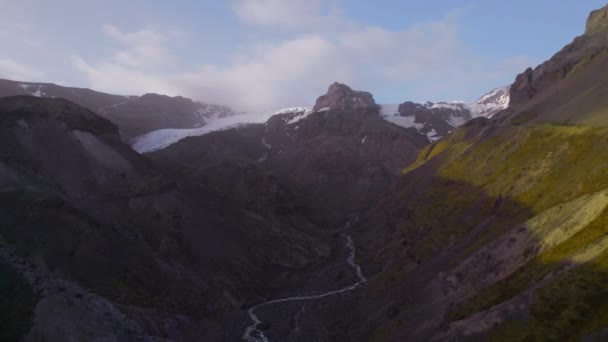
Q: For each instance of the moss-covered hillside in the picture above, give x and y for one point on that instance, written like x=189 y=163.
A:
x=487 y=216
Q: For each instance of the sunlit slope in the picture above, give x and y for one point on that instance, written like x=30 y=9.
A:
x=520 y=217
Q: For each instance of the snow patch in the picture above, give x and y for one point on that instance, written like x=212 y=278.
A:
x=37 y=93
x=389 y=109
x=267 y=145
x=456 y=105
x=456 y=120
x=403 y=121
x=491 y=103
x=292 y=110
x=432 y=135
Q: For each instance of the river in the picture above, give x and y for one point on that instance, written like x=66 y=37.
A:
x=253 y=333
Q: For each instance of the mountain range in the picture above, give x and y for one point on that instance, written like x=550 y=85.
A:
x=154 y=218
x=134 y=115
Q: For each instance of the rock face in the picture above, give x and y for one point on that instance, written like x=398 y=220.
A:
x=134 y=115
x=597 y=23
x=583 y=50
x=105 y=243
x=340 y=96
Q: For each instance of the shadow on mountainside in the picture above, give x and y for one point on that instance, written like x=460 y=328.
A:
x=108 y=244
x=486 y=235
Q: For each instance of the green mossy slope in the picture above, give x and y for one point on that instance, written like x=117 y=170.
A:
x=541 y=169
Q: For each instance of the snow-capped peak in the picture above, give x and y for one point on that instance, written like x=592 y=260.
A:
x=436 y=119
x=292 y=110
x=492 y=102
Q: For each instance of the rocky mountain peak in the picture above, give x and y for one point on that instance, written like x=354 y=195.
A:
x=597 y=21
x=580 y=53
x=341 y=96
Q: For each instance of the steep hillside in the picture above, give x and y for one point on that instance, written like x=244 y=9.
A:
x=569 y=88
x=498 y=231
x=134 y=115
x=98 y=241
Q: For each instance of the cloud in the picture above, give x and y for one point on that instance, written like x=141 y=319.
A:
x=140 y=63
x=115 y=77
x=143 y=49
x=272 y=76
x=286 y=13
x=14 y=70
x=422 y=59
x=409 y=54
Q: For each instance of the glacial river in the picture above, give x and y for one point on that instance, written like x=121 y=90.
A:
x=253 y=333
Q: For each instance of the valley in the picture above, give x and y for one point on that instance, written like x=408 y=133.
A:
x=162 y=218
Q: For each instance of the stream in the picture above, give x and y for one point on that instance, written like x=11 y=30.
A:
x=254 y=334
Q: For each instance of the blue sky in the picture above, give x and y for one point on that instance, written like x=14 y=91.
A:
x=267 y=54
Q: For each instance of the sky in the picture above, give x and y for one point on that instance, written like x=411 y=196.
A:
x=258 y=55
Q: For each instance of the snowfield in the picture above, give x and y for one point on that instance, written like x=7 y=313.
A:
x=163 y=138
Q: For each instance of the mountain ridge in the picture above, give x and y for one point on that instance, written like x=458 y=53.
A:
x=135 y=115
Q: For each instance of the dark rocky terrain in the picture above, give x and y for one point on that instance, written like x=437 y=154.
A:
x=134 y=115
x=98 y=241
x=338 y=160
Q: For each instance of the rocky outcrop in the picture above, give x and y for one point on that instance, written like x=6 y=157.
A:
x=582 y=51
x=341 y=96
x=597 y=23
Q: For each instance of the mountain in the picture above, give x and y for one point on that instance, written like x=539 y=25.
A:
x=340 y=96
x=337 y=158
x=100 y=241
x=570 y=87
x=498 y=230
x=134 y=115
x=328 y=224
x=436 y=120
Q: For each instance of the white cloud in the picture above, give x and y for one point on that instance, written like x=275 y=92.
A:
x=143 y=49
x=426 y=58
x=408 y=54
x=114 y=77
x=14 y=70
x=140 y=63
x=277 y=75
x=287 y=13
